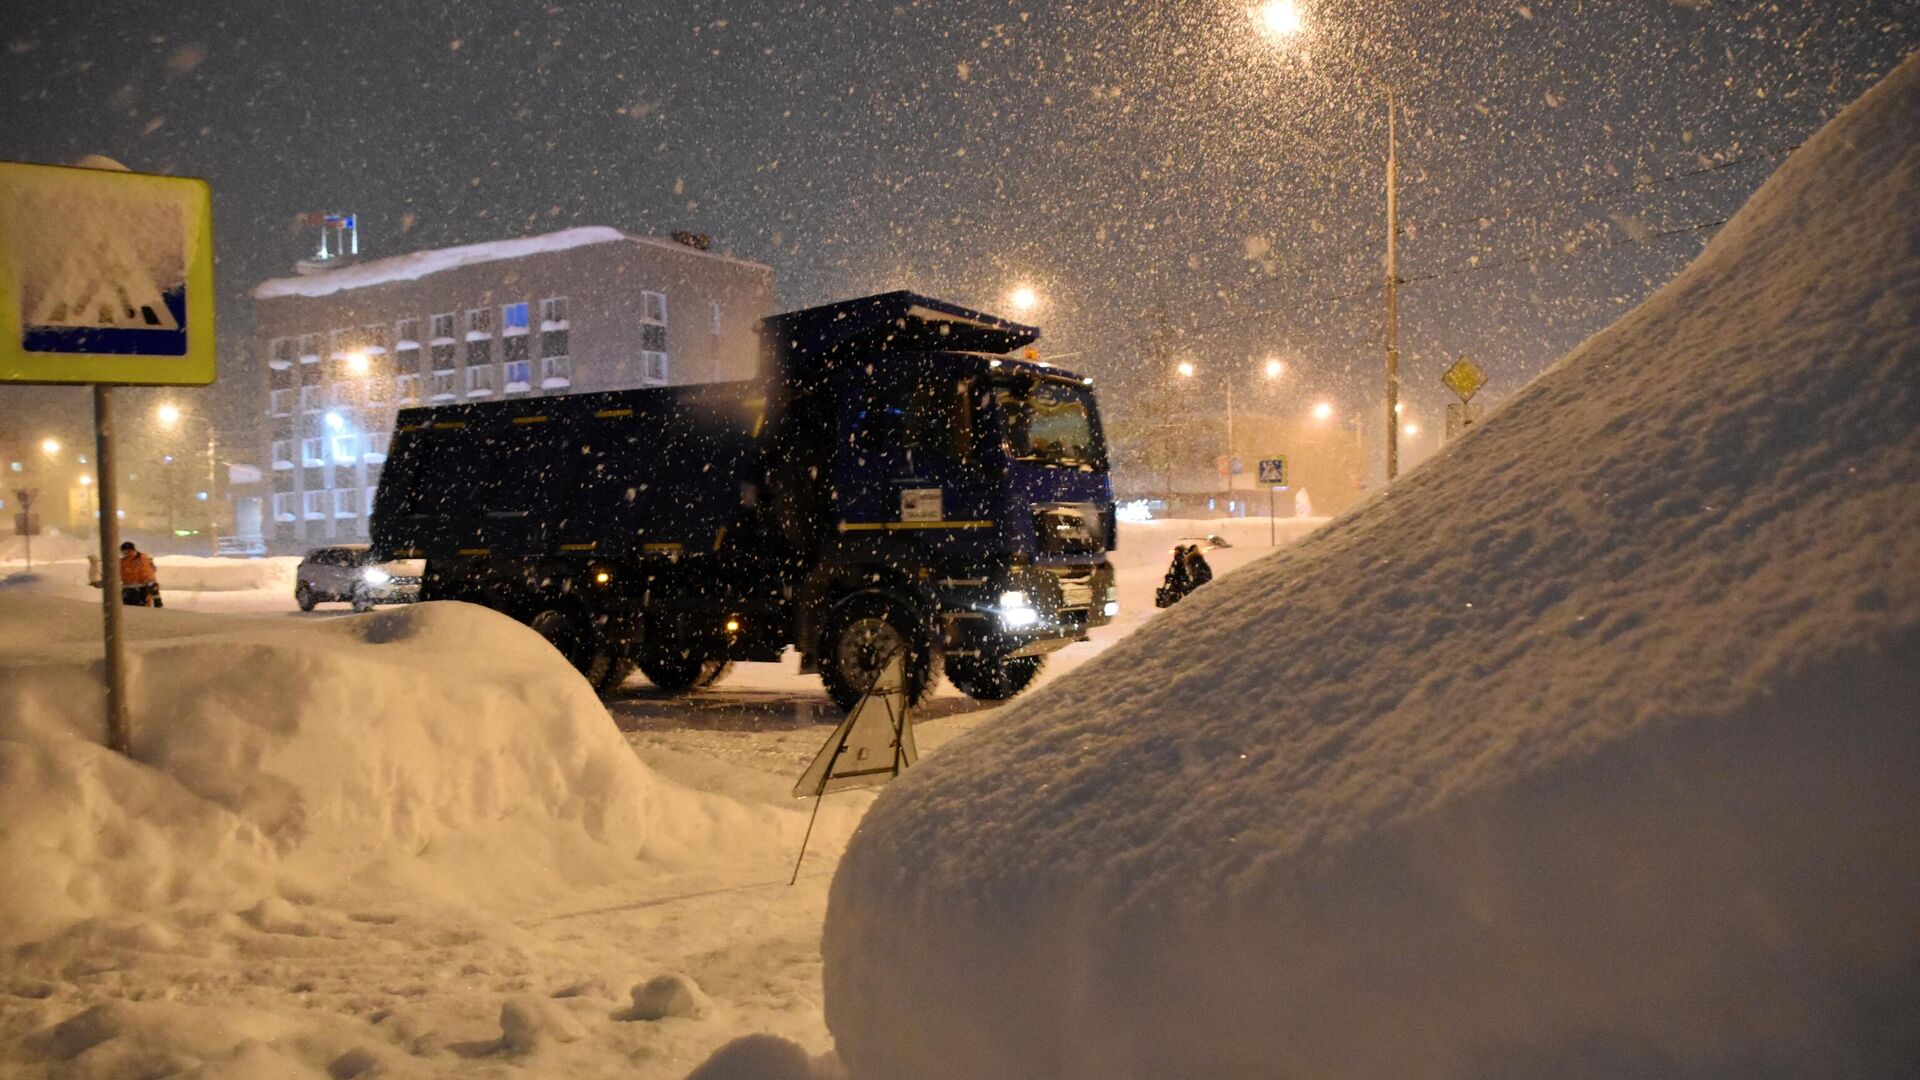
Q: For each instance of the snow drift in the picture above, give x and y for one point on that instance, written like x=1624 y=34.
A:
x=442 y=750
x=1589 y=749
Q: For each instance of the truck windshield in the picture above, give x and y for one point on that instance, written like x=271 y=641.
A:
x=1049 y=422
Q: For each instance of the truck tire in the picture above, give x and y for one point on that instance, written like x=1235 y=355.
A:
x=362 y=602
x=608 y=673
x=677 y=671
x=859 y=638
x=303 y=595
x=985 y=678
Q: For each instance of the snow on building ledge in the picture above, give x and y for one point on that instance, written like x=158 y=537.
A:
x=420 y=264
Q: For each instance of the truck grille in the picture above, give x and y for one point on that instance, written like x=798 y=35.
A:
x=1068 y=529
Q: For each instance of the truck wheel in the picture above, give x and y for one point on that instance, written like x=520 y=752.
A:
x=676 y=671
x=608 y=673
x=570 y=634
x=303 y=596
x=859 y=639
x=361 y=601
x=989 y=679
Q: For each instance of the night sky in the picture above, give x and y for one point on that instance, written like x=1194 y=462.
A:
x=1559 y=156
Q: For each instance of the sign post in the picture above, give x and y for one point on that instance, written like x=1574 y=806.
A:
x=1273 y=473
x=106 y=278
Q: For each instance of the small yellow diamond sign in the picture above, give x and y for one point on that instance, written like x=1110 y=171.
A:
x=1464 y=378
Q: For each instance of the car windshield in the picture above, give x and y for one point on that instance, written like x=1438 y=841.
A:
x=1049 y=422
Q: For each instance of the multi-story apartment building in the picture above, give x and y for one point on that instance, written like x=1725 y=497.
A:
x=581 y=310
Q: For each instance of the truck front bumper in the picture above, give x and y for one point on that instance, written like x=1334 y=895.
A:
x=1033 y=613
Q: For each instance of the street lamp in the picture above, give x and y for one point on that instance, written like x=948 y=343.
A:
x=1322 y=411
x=168 y=414
x=50 y=446
x=358 y=363
x=1275 y=367
x=1186 y=369
x=1024 y=299
x=1282 y=20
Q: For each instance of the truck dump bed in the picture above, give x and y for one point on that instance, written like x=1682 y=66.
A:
x=627 y=472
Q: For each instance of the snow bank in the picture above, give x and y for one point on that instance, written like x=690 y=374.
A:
x=440 y=749
x=1588 y=749
x=419 y=264
x=191 y=573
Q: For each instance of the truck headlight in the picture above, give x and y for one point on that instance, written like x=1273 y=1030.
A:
x=1112 y=606
x=1016 y=610
x=373 y=575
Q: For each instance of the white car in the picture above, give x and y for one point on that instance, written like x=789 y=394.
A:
x=347 y=573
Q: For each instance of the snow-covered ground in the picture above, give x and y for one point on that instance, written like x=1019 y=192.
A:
x=410 y=843
x=1587 y=749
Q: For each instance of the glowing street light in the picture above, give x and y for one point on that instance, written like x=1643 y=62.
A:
x=1275 y=367
x=85 y=480
x=1186 y=369
x=1024 y=299
x=358 y=363
x=168 y=414
x=50 y=446
x=1322 y=411
x=1281 y=19
x=1411 y=430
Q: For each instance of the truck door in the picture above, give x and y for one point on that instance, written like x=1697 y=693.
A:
x=910 y=457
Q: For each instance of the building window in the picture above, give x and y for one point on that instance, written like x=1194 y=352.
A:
x=443 y=356
x=653 y=307
x=341 y=394
x=278 y=377
x=379 y=389
x=346 y=448
x=309 y=348
x=406 y=334
x=480 y=380
x=442 y=329
x=406 y=359
x=367 y=493
x=377 y=443
x=283 y=506
x=479 y=323
x=280 y=402
x=313 y=505
x=519 y=376
x=283 y=453
x=553 y=313
x=513 y=318
x=555 y=343
x=280 y=353
x=479 y=352
x=346 y=502
x=653 y=368
x=442 y=386
x=556 y=372
x=406 y=389
x=312 y=452
x=309 y=398
x=341 y=342
x=373 y=338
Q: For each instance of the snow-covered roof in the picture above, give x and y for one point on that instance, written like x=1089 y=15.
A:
x=419 y=264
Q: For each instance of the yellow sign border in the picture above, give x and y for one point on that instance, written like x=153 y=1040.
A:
x=195 y=368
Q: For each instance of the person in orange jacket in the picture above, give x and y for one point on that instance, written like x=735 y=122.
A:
x=139 y=583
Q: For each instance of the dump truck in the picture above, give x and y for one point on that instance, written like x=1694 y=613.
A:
x=903 y=475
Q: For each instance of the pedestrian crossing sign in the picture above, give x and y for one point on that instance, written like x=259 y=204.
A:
x=105 y=277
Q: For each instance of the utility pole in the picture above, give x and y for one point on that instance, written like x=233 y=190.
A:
x=1160 y=368
x=1393 y=290
x=1229 y=438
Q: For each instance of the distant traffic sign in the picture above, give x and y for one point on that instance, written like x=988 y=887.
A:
x=105 y=277
x=1464 y=378
x=1273 y=472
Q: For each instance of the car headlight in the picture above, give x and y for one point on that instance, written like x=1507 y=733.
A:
x=373 y=575
x=1016 y=610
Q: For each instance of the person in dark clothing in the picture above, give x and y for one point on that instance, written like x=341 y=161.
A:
x=1198 y=572
x=1178 y=582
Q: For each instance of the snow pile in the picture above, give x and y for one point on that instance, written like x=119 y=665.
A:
x=1589 y=749
x=200 y=573
x=440 y=749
